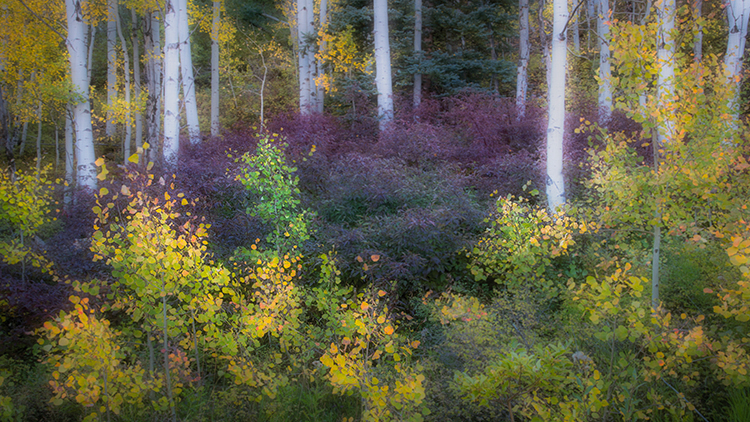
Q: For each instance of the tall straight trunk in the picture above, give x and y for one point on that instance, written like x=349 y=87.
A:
x=383 y=76
x=556 y=122
x=323 y=19
x=171 y=146
x=188 y=80
x=665 y=84
x=77 y=52
x=738 y=12
x=216 y=20
x=605 y=70
x=418 y=52
x=313 y=69
x=305 y=87
x=698 y=39
x=523 y=57
x=128 y=123
x=111 y=64
x=152 y=38
x=69 y=156
x=576 y=32
x=137 y=78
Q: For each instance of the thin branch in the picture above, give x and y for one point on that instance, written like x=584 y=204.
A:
x=65 y=39
x=570 y=18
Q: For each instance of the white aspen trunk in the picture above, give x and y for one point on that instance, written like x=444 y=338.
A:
x=111 y=64
x=523 y=58
x=665 y=48
x=305 y=89
x=69 y=156
x=738 y=12
x=383 y=64
x=153 y=63
x=188 y=80
x=171 y=145
x=216 y=20
x=418 y=51
x=137 y=78
x=311 y=53
x=605 y=70
x=323 y=45
x=128 y=122
x=556 y=122
x=698 y=40
x=86 y=169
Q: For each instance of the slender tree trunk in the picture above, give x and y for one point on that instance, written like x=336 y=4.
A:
x=383 y=76
x=576 y=32
x=665 y=48
x=171 y=146
x=128 y=122
x=523 y=56
x=188 y=80
x=605 y=70
x=137 y=78
x=738 y=12
x=305 y=88
x=418 y=52
x=320 y=87
x=556 y=122
x=111 y=64
x=86 y=169
x=216 y=21
x=152 y=39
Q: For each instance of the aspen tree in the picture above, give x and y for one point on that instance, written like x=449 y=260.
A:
x=383 y=77
x=556 y=120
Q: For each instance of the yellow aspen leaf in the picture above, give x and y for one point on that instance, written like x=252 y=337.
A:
x=375 y=258
x=388 y=330
x=376 y=355
x=133 y=158
x=382 y=293
x=166 y=196
x=381 y=319
x=365 y=306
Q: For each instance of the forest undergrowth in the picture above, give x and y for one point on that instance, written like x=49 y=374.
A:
x=321 y=271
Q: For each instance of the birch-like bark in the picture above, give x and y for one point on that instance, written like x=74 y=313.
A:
x=523 y=58
x=320 y=88
x=90 y=61
x=216 y=20
x=738 y=12
x=77 y=52
x=111 y=64
x=128 y=122
x=665 y=48
x=383 y=81
x=556 y=122
x=418 y=52
x=137 y=77
x=188 y=80
x=152 y=38
x=171 y=146
x=305 y=86
x=605 y=70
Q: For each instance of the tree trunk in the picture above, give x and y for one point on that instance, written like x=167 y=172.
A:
x=320 y=87
x=216 y=20
x=305 y=88
x=383 y=64
x=188 y=80
x=418 y=52
x=137 y=78
x=152 y=37
x=523 y=55
x=90 y=62
x=605 y=71
x=665 y=48
x=556 y=122
x=111 y=64
x=128 y=123
x=738 y=12
x=171 y=146
x=86 y=169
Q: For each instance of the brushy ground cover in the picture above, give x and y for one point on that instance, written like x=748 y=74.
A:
x=324 y=272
